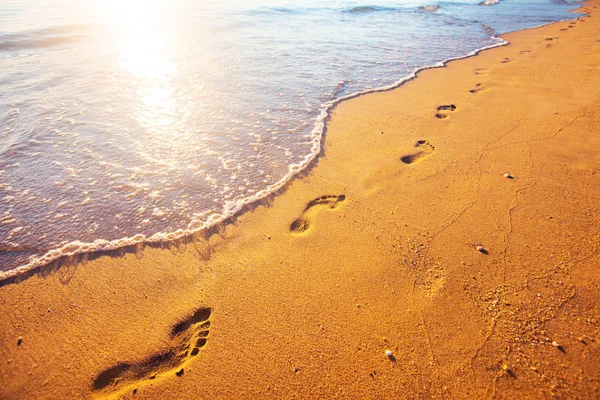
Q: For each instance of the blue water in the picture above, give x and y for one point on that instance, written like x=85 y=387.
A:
x=126 y=121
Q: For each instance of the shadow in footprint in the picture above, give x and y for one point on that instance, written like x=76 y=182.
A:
x=303 y=223
x=110 y=375
x=199 y=315
x=187 y=337
x=425 y=149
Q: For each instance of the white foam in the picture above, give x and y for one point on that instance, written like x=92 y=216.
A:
x=431 y=8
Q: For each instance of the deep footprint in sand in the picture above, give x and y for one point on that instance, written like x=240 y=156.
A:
x=304 y=222
x=187 y=338
x=505 y=60
x=424 y=149
x=479 y=88
x=441 y=114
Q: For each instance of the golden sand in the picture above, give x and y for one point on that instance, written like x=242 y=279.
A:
x=375 y=249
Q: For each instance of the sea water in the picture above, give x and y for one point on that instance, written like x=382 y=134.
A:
x=124 y=121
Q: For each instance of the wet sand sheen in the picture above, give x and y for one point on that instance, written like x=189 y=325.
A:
x=374 y=250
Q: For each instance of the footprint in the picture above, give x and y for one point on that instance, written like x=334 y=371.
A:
x=550 y=39
x=526 y=51
x=424 y=149
x=481 y=71
x=187 y=338
x=303 y=223
x=479 y=88
x=442 y=115
x=505 y=60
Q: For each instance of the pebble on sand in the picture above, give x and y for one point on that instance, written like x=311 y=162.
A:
x=390 y=355
x=558 y=346
x=507 y=175
x=480 y=248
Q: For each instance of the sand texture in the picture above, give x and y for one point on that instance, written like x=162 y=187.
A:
x=375 y=248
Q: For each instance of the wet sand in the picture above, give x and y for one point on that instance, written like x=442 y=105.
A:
x=375 y=249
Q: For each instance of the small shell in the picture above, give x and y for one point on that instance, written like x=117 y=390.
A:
x=480 y=248
x=506 y=175
x=555 y=344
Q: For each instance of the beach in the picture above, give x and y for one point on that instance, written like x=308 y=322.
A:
x=444 y=244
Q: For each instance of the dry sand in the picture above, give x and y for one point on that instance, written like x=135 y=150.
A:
x=374 y=249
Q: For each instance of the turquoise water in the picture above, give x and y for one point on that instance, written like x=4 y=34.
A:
x=128 y=121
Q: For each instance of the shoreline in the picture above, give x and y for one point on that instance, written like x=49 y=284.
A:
x=83 y=250
x=373 y=249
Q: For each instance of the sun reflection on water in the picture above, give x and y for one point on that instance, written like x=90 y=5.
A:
x=145 y=63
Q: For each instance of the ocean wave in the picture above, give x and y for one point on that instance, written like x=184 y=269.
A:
x=266 y=10
x=431 y=8
x=364 y=9
x=489 y=2
x=367 y=9
x=43 y=38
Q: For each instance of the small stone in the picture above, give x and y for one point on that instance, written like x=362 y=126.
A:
x=19 y=341
x=480 y=249
x=558 y=346
x=180 y=372
x=390 y=355
x=507 y=175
